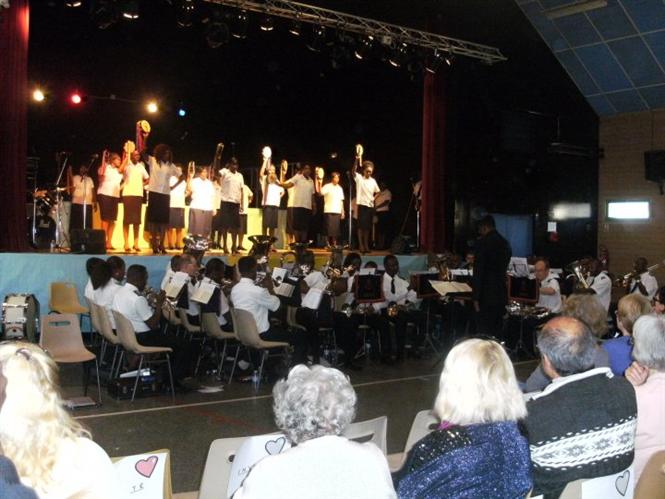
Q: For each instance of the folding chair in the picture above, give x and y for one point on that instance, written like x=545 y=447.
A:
x=210 y=325
x=373 y=430
x=424 y=423
x=215 y=480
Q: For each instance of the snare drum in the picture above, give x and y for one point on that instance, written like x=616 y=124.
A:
x=20 y=313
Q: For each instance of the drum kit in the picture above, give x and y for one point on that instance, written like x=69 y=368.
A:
x=20 y=317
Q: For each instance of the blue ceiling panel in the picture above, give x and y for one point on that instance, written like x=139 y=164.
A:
x=577 y=29
x=577 y=72
x=637 y=60
x=648 y=15
x=612 y=22
x=655 y=96
x=657 y=43
x=626 y=102
x=601 y=105
x=615 y=54
x=603 y=67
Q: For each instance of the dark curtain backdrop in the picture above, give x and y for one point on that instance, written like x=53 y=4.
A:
x=433 y=172
x=14 y=26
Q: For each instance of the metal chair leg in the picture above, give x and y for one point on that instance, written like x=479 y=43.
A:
x=263 y=359
x=168 y=365
x=235 y=363
x=99 y=386
x=138 y=375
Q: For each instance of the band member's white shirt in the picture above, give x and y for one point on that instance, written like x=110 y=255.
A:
x=83 y=187
x=366 y=188
x=246 y=295
x=550 y=302
x=602 y=285
x=246 y=199
x=130 y=303
x=333 y=198
x=177 y=199
x=223 y=301
x=401 y=295
x=303 y=190
x=231 y=186
x=110 y=182
x=650 y=285
x=160 y=176
x=203 y=194
x=134 y=176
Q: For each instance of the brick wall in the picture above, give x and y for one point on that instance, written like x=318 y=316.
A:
x=625 y=138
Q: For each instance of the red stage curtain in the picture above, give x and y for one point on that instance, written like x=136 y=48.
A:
x=432 y=212
x=14 y=25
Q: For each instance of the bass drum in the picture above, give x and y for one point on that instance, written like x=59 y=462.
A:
x=20 y=317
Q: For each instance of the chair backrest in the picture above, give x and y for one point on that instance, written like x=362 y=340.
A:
x=210 y=325
x=244 y=326
x=63 y=296
x=184 y=319
x=215 y=480
x=126 y=333
x=421 y=427
x=618 y=486
x=374 y=430
x=61 y=335
x=651 y=484
x=105 y=327
x=94 y=316
x=149 y=472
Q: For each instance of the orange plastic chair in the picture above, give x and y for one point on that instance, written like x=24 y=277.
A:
x=64 y=299
x=61 y=337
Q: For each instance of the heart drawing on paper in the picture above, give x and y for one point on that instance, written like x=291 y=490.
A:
x=621 y=483
x=275 y=446
x=146 y=467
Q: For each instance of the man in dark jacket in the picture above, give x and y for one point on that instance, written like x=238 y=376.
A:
x=490 y=295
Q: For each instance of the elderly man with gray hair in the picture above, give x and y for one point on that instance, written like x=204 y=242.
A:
x=313 y=406
x=582 y=425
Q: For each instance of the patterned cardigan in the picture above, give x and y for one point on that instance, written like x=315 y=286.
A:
x=580 y=426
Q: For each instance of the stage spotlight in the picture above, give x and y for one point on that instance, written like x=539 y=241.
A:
x=318 y=39
x=184 y=13
x=152 y=107
x=295 y=27
x=399 y=55
x=182 y=112
x=130 y=10
x=239 y=25
x=216 y=32
x=433 y=61
x=449 y=59
x=364 y=47
x=267 y=23
x=38 y=95
x=73 y=3
x=75 y=98
x=105 y=14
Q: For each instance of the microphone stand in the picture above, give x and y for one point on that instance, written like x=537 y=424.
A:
x=59 y=232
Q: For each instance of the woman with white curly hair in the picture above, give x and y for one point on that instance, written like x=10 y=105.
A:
x=52 y=452
x=313 y=406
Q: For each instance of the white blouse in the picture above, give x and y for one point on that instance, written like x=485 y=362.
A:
x=177 y=193
x=203 y=194
x=83 y=188
x=135 y=174
x=109 y=182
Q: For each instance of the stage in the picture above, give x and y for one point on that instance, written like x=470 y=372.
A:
x=31 y=273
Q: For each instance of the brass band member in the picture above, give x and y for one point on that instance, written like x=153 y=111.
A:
x=108 y=193
x=641 y=281
x=600 y=283
x=303 y=202
x=218 y=304
x=550 y=291
x=161 y=169
x=231 y=181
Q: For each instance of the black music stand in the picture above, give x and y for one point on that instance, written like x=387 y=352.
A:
x=420 y=283
x=524 y=291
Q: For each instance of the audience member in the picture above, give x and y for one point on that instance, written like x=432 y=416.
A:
x=477 y=450
x=590 y=311
x=629 y=309
x=10 y=484
x=90 y=264
x=582 y=425
x=104 y=288
x=52 y=452
x=313 y=406
x=649 y=355
x=659 y=302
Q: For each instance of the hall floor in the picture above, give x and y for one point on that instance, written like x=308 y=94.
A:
x=189 y=424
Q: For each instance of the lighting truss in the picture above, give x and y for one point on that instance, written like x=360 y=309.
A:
x=385 y=33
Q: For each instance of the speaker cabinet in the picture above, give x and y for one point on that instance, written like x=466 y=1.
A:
x=89 y=241
x=654 y=166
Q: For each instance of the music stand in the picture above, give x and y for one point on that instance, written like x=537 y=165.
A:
x=420 y=283
x=524 y=291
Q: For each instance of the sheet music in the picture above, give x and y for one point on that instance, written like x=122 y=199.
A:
x=461 y=272
x=312 y=299
x=446 y=287
x=176 y=283
x=367 y=271
x=285 y=289
x=203 y=292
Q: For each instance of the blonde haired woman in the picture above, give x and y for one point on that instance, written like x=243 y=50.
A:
x=477 y=450
x=630 y=308
x=52 y=453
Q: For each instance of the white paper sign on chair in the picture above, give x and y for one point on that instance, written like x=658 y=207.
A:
x=252 y=450
x=143 y=476
x=619 y=486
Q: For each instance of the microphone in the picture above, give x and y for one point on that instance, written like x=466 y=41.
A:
x=65 y=153
x=94 y=156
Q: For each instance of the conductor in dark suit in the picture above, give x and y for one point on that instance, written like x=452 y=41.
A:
x=490 y=295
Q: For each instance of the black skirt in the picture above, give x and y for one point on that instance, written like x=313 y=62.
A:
x=158 y=208
x=200 y=222
x=176 y=218
x=108 y=207
x=331 y=224
x=301 y=218
x=132 y=209
x=270 y=217
x=365 y=217
x=76 y=217
x=230 y=217
x=243 y=224
x=289 y=220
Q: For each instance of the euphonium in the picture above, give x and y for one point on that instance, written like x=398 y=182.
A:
x=348 y=309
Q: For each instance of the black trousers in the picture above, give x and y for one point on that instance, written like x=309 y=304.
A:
x=181 y=358
x=298 y=341
x=400 y=322
x=489 y=319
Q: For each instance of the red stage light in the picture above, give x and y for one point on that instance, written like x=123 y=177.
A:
x=76 y=98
